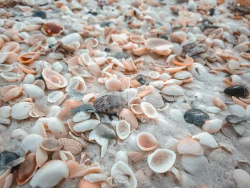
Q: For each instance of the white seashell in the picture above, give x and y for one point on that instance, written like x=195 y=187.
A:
x=233 y=65
x=242 y=178
x=4 y=121
x=2 y=128
x=146 y=141
x=57 y=66
x=128 y=94
x=236 y=110
x=182 y=75
x=66 y=156
x=248 y=112
x=121 y=156
x=39 y=129
x=31 y=142
x=54 y=110
x=157 y=84
x=21 y=110
x=95 y=177
x=33 y=91
x=77 y=83
x=164 y=77
x=55 y=96
x=57 y=56
x=136 y=109
x=213 y=110
x=240 y=129
x=176 y=114
x=189 y=146
x=153 y=75
x=172 y=144
x=81 y=116
x=19 y=133
x=122 y=129
x=113 y=84
x=172 y=90
x=161 y=160
x=86 y=125
x=55 y=126
x=236 y=80
x=206 y=139
x=149 y=110
x=5 y=112
x=212 y=126
x=198 y=71
x=29 y=79
x=194 y=164
x=121 y=170
x=155 y=99
x=50 y=174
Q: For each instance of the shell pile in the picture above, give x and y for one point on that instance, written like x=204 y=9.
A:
x=124 y=93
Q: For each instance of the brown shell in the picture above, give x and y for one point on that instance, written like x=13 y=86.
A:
x=26 y=169
x=71 y=145
x=52 y=28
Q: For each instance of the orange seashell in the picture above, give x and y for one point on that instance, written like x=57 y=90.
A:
x=219 y=103
x=129 y=116
x=51 y=29
x=26 y=169
x=13 y=93
x=85 y=184
x=219 y=2
x=29 y=57
x=71 y=145
x=53 y=79
x=244 y=3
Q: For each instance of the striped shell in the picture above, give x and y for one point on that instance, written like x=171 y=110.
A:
x=71 y=145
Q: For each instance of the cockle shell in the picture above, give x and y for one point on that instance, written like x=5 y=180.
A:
x=21 y=110
x=35 y=139
x=29 y=57
x=53 y=79
x=26 y=169
x=33 y=91
x=159 y=46
x=149 y=110
x=161 y=160
x=189 y=146
x=206 y=139
x=146 y=141
x=71 y=145
x=119 y=171
x=51 y=144
x=128 y=116
x=50 y=174
x=136 y=157
x=122 y=129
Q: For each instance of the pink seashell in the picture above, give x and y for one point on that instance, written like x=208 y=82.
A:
x=11 y=47
x=123 y=129
x=113 y=84
x=71 y=145
x=77 y=83
x=189 y=146
x=146 y=141
x=29 y=57
x=53 y=79
x=12 y=93
x=83 y=183
x=128 y=116
x=40 y=109
x=3 y=177
x=136 y=109
x=26 y=69
x=149 y=110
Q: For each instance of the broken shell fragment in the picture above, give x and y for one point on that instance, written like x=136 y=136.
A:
x=29 y=57
x=159 y=46
x=71 y=145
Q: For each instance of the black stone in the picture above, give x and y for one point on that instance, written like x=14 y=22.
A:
x=193 y=49
x=6 y=157
x=211 y=12
x=237 y=91
x=40 y=14
x=196 y=117
x=233 y=119
x=142 y=79
x=163 y=37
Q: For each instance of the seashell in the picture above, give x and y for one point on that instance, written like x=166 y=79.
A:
x=41 y=156
x=33 y=91
x=11 y=47
x=9 y=159
x=194 y=164
x=149 y=110
x=196 y=117
x=245 y=141
x=155 y=99
x=178 y=37
x=29 y=57
x=66 y=156
x=120 y=169
x=182 y=75
x=219 y=103
x=35 y=139
x=53 y=79
x=189 y=146
x=86 y=125
x=154 y=75
x=236 y=109
x=6 y=178
x=241 y=177
x=5 y=68
x=26 y=169
x=136 y=109
x=161 y=160
x=157 y=84
x=234 y=119
x=10 y=76
x=122 y=129
x=113 y=84
x=146 y=141
x=172 y=90
x=105 y=130
x=55 y=126
x=40 y=110
x=135 y=100
x=171 y=144
x=136 y=157
x=71 y=145
x=51 y=144
x=212 y=126
x=95 y=177
x=128 y=116
x=57 y=66
x=39 y=129
x=29 y=79
x=237 y=91
x=50 y=174
x=213 y=110
x=81 y=116
x=13 y=93
x=159 y=46
x=21 y=110
x=51 y=29
x=19 y=133
x=247 y=114
x=78 y=139
x=56 y=97
x=83 y=183
x=71 y=42
x=77 y=83
x=206 y=139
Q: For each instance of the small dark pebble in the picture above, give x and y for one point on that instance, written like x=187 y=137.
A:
x=121 y=55
x=6 y=157
x=163 y=37
x=196 y=117
x=93 y=13
x=40 y=77
x=40 y=14
x=233 y=119
x=107 y=50
x=237 y=91
x=142 y=79
x=211 y=12
x=105 y=24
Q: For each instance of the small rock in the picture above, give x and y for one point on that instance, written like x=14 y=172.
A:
x=237 y=91
x=40 y=14
x=196 y=117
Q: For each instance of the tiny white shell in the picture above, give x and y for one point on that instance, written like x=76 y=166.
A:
x=95 y=177
x=5 y=112
x=213 y=110
x=242 y=178
x=154 y=75
x=81 y=116
x=182 y=75
x=121 y=156
x=19 y=133
x=123 y=129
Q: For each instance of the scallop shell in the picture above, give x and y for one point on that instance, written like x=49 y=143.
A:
x=51 y=144
x=149 y=110
x=189 y=146
x=122 y=129
x=161 y=160
x=71 y=145
x=146 y=141
x=53 y=79
x=155 y=99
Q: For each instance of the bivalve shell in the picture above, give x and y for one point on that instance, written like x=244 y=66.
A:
x=146 y=141
x=122 y=129
x=21 y=110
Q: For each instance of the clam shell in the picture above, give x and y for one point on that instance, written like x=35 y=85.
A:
x=95 y=177
x=5 y=111
x=31 y=142
x=50 y=174
x=136 y=109
x=241 y=178
x=81 y=116
x=19 y=133
x=149 y=110
x=182 y=75
x=29 y=57
x=113 y=84
x=212 y=126
x=206 y=139
x=71 y=145
x=128 y=116
x=155 y=99
x=33 y=91
x=161 y=160
x=146 y=141
x=77 y=83
x=51 y=144
x=136 y=157
x=172 y=90
x=21 y=110
x=189 y=146
x=159 y=46
x=122 y=129
x=53 y=79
